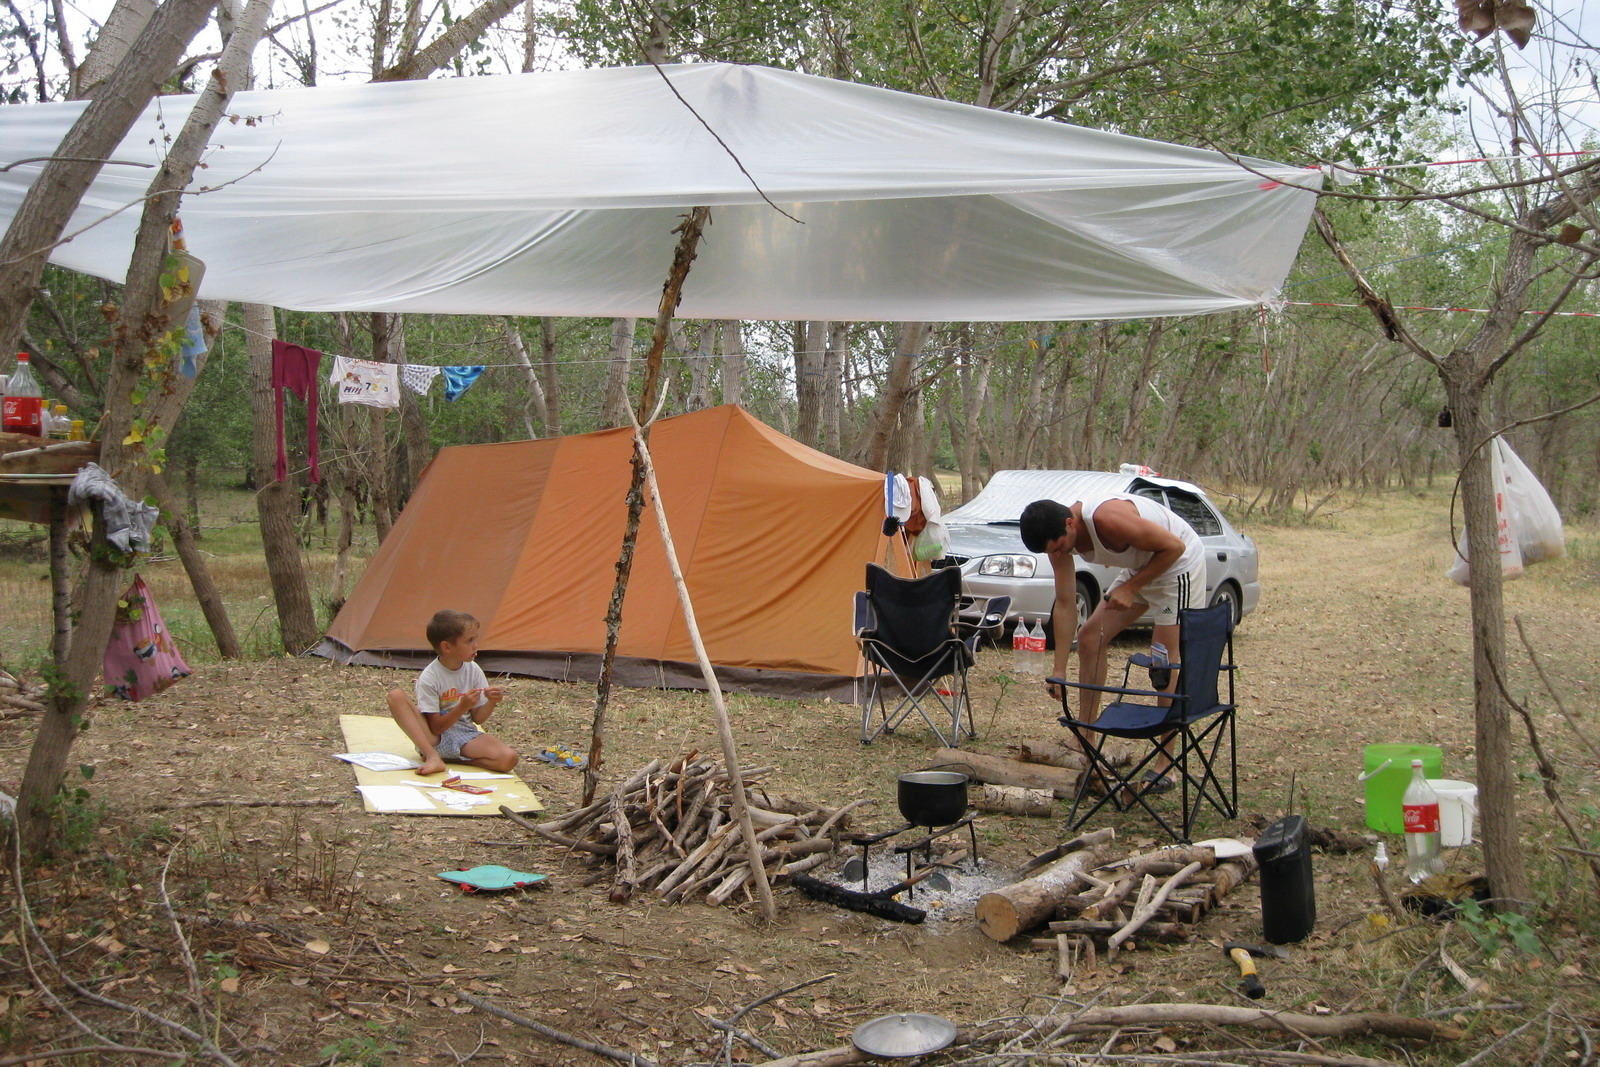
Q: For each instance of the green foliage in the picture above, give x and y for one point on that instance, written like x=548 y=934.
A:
x=78 y=814
x=365 y=1050
x=1494 y=931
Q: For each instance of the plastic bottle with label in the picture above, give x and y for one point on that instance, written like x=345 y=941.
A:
x=1420 y=805
x=76 y=433
x=24 y=403
x=1036 y=643
x=1019 y=647
x=60 y=424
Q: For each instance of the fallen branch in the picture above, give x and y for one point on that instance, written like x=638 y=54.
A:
x=223 y=802
x=553 y=1034
x=1146 y=911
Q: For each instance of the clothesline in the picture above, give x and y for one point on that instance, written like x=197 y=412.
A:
x=1474 y=311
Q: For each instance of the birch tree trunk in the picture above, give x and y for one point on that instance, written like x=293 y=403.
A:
x=534 y=412
x=809 y=341
x=730 y=341
x=614 y=406
x=909 y=337
x=833 y=360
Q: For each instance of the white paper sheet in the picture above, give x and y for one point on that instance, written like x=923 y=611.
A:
x=378 y=761
x=395 y=798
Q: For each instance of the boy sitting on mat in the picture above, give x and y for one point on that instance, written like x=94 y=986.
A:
x=453 y=700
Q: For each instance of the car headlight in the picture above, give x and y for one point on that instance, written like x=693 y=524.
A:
x=1008 y=566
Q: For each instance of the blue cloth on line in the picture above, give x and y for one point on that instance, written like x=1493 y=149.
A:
x=457 y=379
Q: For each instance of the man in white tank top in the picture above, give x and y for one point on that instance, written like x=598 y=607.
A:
x=1163 y=571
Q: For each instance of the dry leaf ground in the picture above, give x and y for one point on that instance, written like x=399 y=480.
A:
x=321 y=933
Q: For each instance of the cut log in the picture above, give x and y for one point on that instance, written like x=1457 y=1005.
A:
x=1006 y=912
x=999 y=770
x=1052 y=753
x=1014 y=800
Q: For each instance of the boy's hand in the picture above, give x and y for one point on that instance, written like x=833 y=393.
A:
x=494 y=693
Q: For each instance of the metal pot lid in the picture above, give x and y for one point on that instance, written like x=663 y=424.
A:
x=904 y=1034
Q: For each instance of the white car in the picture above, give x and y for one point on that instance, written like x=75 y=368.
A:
x=986 y=541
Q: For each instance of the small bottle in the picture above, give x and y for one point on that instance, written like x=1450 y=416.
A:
x=76 y=433
x=1420 y=805
x=60 y=424
x=24 y=403
x=1380 y=858
x=1019 y=647
x=1036 y=643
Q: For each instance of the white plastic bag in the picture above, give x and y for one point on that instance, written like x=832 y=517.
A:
x=1537 y=522
x=1528 y=526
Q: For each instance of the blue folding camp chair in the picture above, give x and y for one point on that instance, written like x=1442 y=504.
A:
x=917 y=650
x=1191 y=729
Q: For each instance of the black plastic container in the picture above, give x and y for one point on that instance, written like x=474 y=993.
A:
x=1288 y=898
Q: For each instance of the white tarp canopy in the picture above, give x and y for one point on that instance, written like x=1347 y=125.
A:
x=557 y=194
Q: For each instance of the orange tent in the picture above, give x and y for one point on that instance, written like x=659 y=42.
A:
x=773 y=538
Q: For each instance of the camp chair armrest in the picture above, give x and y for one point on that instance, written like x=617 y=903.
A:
x=1143 y=659
x=1118 y=689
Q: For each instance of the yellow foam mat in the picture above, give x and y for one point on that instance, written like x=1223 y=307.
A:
x=379 y=733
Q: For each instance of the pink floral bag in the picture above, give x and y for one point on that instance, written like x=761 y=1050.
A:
x=141 y=659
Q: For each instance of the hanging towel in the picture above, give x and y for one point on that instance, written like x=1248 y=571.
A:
x=295 y=368
x=128 y=522
x=456 y=380
x=361 y=381
x=419 y=377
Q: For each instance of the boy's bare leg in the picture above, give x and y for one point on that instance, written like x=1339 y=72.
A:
x=404 y=711
x=490 y=753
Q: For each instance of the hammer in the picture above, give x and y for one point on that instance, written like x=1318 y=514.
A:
x=1242 y=953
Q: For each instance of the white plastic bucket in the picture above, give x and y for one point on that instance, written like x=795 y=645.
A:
x=1458 y=802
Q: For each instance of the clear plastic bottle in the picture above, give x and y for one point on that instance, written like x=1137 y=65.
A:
x=1036 y=643
x=24 y=403
x=60 y=424
x=1019 y=647
x=1420 y=805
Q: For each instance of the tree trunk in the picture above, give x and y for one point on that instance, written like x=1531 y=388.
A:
x=833 y=361
x=276 y=503
x=614 y=407
x=1492 y=752
x=809 y=341
x=909 y=339
x=122 y=27
x=731 y=340
x=1007 y=912
x=552 y=381
x=141 y=325
x=54 y=196
x=535 y=414
x=194 y=564
x=700 y=367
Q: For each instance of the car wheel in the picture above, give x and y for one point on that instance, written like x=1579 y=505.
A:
x=1228 y=593
x=1086 y=598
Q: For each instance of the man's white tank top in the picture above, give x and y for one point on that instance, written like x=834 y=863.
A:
x=1135 y=558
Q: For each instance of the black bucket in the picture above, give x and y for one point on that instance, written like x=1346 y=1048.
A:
x=933 y=798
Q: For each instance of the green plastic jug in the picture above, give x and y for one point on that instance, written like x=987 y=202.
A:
x=1386 y=771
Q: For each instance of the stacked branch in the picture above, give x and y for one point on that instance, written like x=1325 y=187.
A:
x=671 y=829
x=18 y=697
x=1086 y=894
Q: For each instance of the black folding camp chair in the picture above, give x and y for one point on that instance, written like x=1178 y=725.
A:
x=1197 y=720
x=917 y=651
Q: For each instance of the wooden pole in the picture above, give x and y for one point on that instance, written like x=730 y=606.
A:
x=730 y=751
x=671 y=292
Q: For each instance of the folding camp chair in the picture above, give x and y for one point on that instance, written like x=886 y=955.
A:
x=917 y=651
x=1196 y=718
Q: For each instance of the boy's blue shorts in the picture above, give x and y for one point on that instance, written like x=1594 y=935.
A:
x=458 y=734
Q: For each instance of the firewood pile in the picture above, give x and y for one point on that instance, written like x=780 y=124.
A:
x=1090 y=899
x=18 y=697
x=670 y=828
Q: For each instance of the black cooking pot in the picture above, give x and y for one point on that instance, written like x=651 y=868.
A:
x=933 y=798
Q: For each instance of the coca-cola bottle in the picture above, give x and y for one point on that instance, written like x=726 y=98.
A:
x=1421 y=807
x=24 y=403
x=1036 y=643
x=1019 y=647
